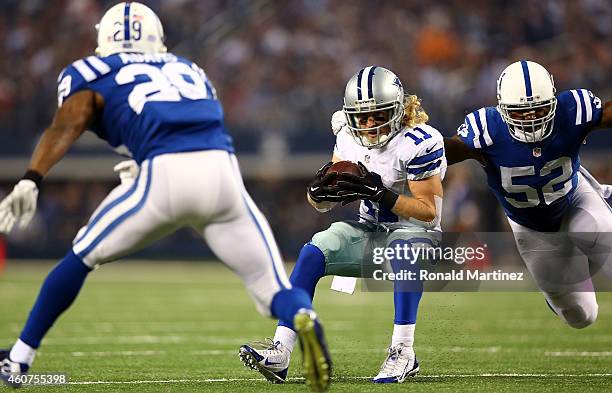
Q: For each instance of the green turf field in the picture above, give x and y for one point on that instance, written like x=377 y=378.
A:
x=172 y=327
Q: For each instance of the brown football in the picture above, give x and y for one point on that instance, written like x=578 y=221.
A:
x=342 y=167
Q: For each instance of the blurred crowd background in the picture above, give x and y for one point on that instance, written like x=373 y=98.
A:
x=280 y=68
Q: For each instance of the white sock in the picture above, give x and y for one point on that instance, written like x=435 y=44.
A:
x=22 y=353
x=403 y=334
x=286 y=336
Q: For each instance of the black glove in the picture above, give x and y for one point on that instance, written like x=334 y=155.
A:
x=320 y=189
x=369 y=186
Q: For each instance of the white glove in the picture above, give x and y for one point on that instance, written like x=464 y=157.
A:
x=19 y=205
x=127 y=170
x=338 y=122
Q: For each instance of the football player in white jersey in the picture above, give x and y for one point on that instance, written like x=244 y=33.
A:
x=402 y=161
x=164 y=111
x=529 y=148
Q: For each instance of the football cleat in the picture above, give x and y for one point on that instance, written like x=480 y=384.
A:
x=10 y=369
x=270 y=358
x=401 y=362
x=315 y=355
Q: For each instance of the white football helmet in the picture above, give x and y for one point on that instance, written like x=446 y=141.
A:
x=374 y=89
x=525 y=89
x=130 y=27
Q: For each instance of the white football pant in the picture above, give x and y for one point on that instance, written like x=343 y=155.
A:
x=202 y=190
x=562 y=262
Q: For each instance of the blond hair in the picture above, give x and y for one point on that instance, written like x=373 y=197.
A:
x=414 y=113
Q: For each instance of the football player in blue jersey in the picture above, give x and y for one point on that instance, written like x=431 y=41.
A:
x=529 y=147
x=164 y=112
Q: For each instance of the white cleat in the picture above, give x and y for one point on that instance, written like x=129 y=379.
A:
x=270 y=358
x=401 y=362
x=11 y=373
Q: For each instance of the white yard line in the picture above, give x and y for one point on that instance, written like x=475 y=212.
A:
x=213 y=380
x=139 y=339
x=455 y=349
x=578 y=353
x=118 y=353
x=229 y=352
x=207 y=352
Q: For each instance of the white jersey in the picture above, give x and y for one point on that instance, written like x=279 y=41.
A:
x=413 y=154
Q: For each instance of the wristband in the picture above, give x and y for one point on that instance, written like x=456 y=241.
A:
x=312 y=197
x=388 y=199
x=34 y=176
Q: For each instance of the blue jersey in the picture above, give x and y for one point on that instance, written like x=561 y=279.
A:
x=534 y=182
x=153 y=104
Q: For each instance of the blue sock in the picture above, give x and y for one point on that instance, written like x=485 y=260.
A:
x=309 y=269
x=406 y=307
x=287 y=302
x=57 y=293
x=406 y=293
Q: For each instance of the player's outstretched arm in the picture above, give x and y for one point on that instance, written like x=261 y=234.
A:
x=69 y=123
x=606 y=116
x=457 y=151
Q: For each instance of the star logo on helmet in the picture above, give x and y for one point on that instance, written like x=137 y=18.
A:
x=397 y=82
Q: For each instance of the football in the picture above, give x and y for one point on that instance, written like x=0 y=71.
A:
x=344 y=167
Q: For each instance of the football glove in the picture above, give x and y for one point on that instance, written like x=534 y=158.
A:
x=127 y=170
x=18 y=206
x=369 y=186
x=320 y=189
x=338 y=122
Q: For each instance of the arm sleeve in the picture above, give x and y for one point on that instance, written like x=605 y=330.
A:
x=584 y=108
x=474 y=131
x=80 y=75
x=69 y=82
x=427 y=156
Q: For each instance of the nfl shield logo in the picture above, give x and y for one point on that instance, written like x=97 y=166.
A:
x=537 y=151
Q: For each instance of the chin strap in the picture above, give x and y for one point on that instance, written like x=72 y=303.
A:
x=366 y=142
